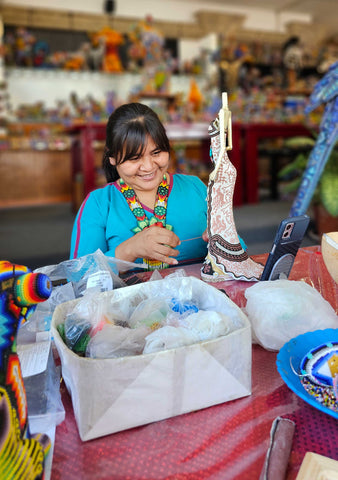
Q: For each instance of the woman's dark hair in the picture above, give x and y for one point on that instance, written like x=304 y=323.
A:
x=126 y=135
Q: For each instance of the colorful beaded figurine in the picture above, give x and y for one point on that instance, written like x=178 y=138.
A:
x=319 y=374
x=226 y=258
x=22 y=456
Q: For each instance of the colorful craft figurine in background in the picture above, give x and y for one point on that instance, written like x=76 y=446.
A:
x=226 y=258
x=21 y=455
x=111 y=40
x=325 y=91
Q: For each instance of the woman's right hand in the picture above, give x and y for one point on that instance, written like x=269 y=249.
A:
x=153 y=243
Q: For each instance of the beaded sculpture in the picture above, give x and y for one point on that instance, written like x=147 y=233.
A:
x=226 y=258
x=324 y=93
x=21 y=455
x=319 y=374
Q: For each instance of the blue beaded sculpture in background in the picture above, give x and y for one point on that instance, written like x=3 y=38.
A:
x=325 y=92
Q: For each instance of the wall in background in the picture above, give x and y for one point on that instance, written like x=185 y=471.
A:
x=50 y=86
x=174 y=10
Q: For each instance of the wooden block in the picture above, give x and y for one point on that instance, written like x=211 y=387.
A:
x=318 y=467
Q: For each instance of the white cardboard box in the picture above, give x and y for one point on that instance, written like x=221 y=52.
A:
x=110 y=395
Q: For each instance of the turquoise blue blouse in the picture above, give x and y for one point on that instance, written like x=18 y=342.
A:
x=105 y=220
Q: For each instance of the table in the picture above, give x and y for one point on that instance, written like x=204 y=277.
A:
x=222 y=442
x=252 y=133
x=83 y=157
x=44 y=178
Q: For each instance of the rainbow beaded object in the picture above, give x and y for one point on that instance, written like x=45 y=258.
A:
x=160 y=209
x=291 y=365
x=320 y=370
x=320 y=364
x=158 y=219
x=22 y=455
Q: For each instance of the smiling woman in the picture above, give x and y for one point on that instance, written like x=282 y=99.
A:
x=142 y=194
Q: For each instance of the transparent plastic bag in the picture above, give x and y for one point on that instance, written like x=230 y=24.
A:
x=282 y=309
x=94 y=270
x=72 y=278
x=42 y=317
x=91 y=271
x=169 y=337
x=45 y=407
x=81 y=324
x=114 y=341
x=151 y=312
x=208 y=325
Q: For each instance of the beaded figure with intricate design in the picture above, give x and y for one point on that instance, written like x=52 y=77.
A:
x=226 y=258
x=22 y=455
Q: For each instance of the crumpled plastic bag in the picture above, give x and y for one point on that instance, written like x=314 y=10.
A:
x=283 y=309
x=94 y=270
x=88 y=316
x=151 y=312
x=114 y=341
x=41 y=319
x=72 y=279
x=208 y=325
x=169 y=337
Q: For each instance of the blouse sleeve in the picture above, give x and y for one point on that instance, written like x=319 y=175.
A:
x=89 y=229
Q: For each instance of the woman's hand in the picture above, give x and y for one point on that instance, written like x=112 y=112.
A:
x=205 y=235
x=153 y=243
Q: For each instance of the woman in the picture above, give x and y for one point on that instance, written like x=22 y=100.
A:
x=144 y=214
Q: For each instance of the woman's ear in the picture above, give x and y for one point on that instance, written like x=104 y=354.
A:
x=112 y=161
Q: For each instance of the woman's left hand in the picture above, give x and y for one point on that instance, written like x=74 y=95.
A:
x=153 y=243
x=205 y=235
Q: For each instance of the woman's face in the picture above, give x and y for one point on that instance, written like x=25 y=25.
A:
x=144 y=173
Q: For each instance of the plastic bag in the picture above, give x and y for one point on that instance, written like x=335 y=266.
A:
x=282 y=309
x=72 y=278
x=208 y=325
x=169 y=337
x=114 y=341
x=88 y=316
x=151 y=312
x=91 y=271
x=45 y=407
x=94 y=270
x=41 y=319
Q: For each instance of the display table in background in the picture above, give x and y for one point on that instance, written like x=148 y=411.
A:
x=33 y=177
x=254 y=132
x=223 y=442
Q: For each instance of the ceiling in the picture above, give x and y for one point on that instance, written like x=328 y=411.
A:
x=322 y=11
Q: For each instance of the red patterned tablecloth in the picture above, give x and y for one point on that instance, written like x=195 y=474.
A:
x=223 y=442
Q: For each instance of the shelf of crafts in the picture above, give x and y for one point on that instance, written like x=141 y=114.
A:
x=54 y=86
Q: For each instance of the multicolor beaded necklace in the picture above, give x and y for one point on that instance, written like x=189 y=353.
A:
x=158 y=219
